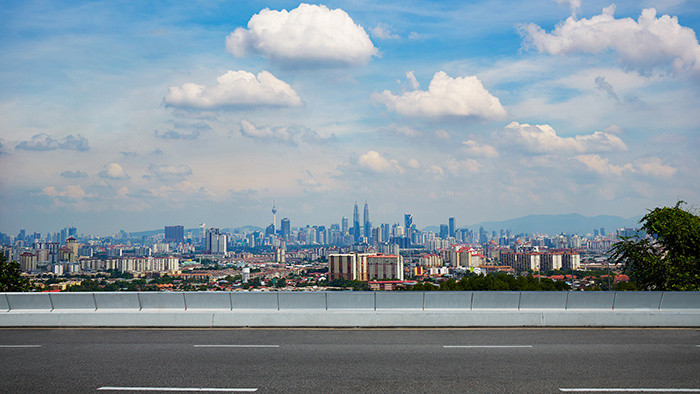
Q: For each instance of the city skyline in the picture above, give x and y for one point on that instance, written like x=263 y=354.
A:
x=134 y=117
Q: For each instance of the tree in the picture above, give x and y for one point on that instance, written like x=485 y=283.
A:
x=11 y=278
x=668 y=258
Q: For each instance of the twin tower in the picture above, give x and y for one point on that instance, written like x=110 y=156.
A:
x=366 y=228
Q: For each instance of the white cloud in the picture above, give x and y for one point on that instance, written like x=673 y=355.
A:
x=602 y=165
x=574 y=5
x=404 y=130
x=375 y=162
x=544 y=139
x=413 y=163
x=643 y=44
x=442 y=134
x=168 y=172
x=476 y=149
x=235 y=89
x=436 y=169
x=655 y=167
x=308 y=34
x=113 y=171
x=446 y=96
x=383 y=31
x=293 y=135
x=71 y=192
x=462 y=167
x=412 y=81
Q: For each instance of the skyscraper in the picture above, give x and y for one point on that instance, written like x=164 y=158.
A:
x=174 y=234
x=367 y=223
x=407 y=221
x=344 y=226
x=356 y=223
x=452 y=226
x=285 y=228
x=444 y=231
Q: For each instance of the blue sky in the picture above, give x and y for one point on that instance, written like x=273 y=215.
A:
x=136 y=115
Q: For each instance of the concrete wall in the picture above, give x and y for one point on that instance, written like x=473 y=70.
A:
x=350 y=309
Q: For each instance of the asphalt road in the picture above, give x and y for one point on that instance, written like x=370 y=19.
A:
x=348 y=360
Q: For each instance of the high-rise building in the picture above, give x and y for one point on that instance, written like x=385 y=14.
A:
x=344 y=226
x=407 y=224
x=72 y=232
x=215 y=242
x=367 y=224
x=286 y=229
x=444 y=231
x=482 y=235
x=356 y=223
x=175 y=234
x=451 y=222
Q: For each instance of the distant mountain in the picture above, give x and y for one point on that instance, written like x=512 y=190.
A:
x=572 y=223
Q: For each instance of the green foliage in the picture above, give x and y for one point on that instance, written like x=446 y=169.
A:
x=11 y=278
x=344 y=283
x=497 y=282
x=670 y=258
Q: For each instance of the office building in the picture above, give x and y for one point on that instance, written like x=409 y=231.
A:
x=285 y=228
x=175 y=234
x=215 y=242
x=451 y=223
x=367 y=224
x=356 y=223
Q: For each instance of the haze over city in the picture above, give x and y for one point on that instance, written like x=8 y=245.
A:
x=138 y=115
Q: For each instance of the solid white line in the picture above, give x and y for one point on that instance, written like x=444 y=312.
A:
x=236 y=345
x=635 y=390
x=200 y=389
x=487 y=346
x=20 y=345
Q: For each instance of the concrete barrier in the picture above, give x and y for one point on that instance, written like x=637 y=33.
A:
x=637 y=300
x=29 y=301
x=461 y=300
x=208 y=300
x=399 y=300
x=496 y=300
x=344 y=300
x=351 y=309
x=162 y=300
x=600 y=300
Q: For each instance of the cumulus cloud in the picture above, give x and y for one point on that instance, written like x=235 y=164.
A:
x=235 y=89
x=44 y=142
x=602 y=84
x=446 y=96
x=403 y=130
x=442 y=134
x=113 y=171
x=168 y=172
x=308 y=35
x=413 y=163
x=375 y=162
x=655 y=167
x=70 y=192
x=643 y=44
x=544 y=139
x=601 y=165
x=293 y=135
x=383 y=32
x=462 y=167
x=574 y=5
x=412 y=81
x=74 y=174
x=474 y=148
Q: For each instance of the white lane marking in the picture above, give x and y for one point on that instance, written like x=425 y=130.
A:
x=634 y=390
x=236 y=345
x=20 y=345
x=180 y=389
x=487 y=346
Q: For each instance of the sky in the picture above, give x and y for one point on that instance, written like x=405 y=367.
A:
x=134 y=115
